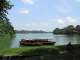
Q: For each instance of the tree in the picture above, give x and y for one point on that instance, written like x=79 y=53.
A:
x=58 y=31
x=69 y=29
x=4 y=7
x=5 y=25
x=77 y=29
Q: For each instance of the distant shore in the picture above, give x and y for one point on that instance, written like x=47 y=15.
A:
x=24 y=31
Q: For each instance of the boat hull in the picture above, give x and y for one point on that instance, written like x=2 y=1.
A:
x=36 y=42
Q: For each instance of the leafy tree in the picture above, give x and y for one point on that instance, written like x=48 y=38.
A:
x=5 y=25
x=77 y=29
x=69 y=29
x=4 y=7
x=58 y=31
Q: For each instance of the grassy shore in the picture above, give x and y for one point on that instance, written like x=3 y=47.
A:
x=5 y=41
x=28 y=50
x=59 y=51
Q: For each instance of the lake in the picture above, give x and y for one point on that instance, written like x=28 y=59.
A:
x=59 y=39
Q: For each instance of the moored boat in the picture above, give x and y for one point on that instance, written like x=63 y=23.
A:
x=35 y=42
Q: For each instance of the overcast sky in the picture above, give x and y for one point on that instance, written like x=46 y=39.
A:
x=44 y=14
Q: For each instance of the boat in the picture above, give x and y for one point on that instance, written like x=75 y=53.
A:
x=36 y=42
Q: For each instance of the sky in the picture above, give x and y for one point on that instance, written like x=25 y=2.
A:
x=44 y=14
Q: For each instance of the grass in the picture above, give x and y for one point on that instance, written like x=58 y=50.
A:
x=28 y=50
x=49 y=52
x=5 y=41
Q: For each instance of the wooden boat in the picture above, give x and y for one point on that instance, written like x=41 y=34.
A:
x=35 y=42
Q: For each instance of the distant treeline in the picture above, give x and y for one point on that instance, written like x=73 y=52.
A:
x=68 y=30
x=24 y=31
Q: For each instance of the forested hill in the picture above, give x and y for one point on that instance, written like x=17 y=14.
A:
x=68 y=30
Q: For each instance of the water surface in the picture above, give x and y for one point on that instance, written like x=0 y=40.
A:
x=59 y=39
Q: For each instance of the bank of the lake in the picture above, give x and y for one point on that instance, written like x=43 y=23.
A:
x=28 y=50
x=41 y=52
x=5 y=41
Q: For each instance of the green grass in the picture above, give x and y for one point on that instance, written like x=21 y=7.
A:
x=5 y=41
x=37 y=50
x=28 y=50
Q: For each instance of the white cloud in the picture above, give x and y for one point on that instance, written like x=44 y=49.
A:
x=71 y=20
x=37 y=26
x=28 y=1
x=24 y=11
x=77 y=0
x=61 y=21
x=67 y=21
x=52 y=23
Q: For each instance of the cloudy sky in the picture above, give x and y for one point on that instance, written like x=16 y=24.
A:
x=44 y=14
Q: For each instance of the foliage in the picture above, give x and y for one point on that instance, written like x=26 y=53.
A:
x=4 y=7
x=5 y=41
x=68 y=30
x=5 y=25
x=77 y=29
x=58 y=31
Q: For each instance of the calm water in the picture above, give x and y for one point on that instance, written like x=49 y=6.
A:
x=59 y=39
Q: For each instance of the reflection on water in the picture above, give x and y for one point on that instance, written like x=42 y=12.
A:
x=65 y=39
x=59 y=39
